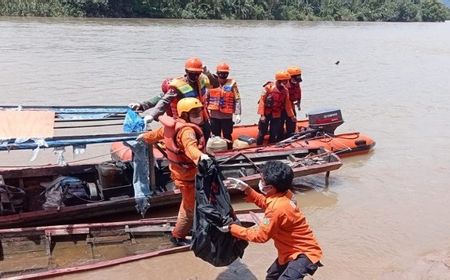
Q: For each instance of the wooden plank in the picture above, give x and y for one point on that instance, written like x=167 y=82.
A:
x=50 y=170
x=107 y=239
x=148 y=229
x=66 y=231
x=26 y=124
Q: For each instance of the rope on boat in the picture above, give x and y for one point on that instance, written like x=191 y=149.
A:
x=346 y=148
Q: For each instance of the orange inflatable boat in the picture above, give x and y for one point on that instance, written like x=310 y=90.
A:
x=316 y=132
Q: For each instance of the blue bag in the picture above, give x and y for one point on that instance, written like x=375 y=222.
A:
x=133 y=122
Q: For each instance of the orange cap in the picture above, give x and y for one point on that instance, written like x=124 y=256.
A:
x=223 y=67
x=282 y=76
x=194 y=64
x=294 y=71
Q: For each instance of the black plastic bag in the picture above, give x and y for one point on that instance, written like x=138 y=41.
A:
x=213 y=209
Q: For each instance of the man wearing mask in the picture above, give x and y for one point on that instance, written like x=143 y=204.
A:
x=299 y=253
x=184 y=142
x=295 y=90
x=192 y=84
x=295 y=97
x=274 y=99
x=222 y=102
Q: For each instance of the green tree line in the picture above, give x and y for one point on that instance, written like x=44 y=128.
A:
x=337 y=10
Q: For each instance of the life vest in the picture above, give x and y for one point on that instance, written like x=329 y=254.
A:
x=175 y=154
x=223 y=98
x=186 y=90
x=295 y=92
x=274 y=100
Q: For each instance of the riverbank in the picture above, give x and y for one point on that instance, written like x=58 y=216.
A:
x=331 y=10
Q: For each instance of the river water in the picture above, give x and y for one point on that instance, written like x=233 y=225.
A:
x=385 y=215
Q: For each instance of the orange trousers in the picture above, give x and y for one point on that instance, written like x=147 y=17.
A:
x=186 y=213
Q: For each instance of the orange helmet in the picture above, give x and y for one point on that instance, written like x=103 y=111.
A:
x=223 y=67
x=282 y=76
x=194 y=64
x=294 y=71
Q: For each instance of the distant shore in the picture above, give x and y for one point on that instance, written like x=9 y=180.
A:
x=311 y=10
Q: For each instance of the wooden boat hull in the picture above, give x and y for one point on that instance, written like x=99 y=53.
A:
x=50 y=251
x=303 y=162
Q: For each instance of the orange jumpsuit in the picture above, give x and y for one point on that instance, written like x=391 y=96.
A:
x=183 y=177
x=272 y=112
x=284 y=223
x=277 y=112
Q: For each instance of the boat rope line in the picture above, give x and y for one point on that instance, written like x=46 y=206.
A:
x=346 y=148
x=67 y=163
x=344 y=135
x=99 y=156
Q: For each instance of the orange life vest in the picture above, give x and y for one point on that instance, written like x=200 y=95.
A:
x=223 y=98
x=175 y=154
x=274 y=100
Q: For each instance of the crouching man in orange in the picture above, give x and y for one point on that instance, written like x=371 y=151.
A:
x=184 y=143
x=298 y=251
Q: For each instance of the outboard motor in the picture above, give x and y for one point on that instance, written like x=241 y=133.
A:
x=325 y=120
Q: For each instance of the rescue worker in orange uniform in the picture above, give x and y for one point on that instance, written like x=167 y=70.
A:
x=295 y=90
x=274 y=99
x=222 y=102
x=184 y=143
x=193 y=84
x=295 y=95
x=299 y=253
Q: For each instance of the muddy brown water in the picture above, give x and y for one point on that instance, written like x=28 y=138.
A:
x=384 y=215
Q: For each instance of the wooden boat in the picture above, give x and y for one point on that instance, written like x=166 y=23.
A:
x=50 y=251
x=22 y=201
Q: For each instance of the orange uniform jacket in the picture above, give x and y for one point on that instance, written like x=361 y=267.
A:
x=287 y=106
x=284 y=223
x=187 y=141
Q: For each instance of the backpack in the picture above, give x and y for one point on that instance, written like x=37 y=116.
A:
x=65 y=191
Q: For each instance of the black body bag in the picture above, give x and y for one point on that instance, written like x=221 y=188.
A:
x=213 y=209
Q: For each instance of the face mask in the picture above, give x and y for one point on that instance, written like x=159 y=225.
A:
x=196 y=120
x=298 y=78
x=192 y=76
x=222 y=75
x=261 y=187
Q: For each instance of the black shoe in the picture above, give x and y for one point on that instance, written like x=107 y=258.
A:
x=180 y=241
